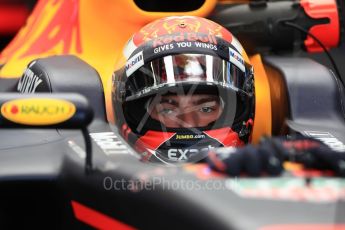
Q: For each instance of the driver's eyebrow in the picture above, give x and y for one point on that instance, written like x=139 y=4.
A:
x=168 y=101
x=206 y=99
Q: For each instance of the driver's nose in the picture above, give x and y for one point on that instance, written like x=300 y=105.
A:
x=188 y=120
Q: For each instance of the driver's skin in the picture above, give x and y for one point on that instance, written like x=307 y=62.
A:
x=186 y=111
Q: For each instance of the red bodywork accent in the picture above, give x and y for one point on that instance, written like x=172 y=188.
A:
x=97 y=219
x=328 y=34
x=13 y=17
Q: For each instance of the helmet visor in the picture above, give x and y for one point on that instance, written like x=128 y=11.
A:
x=183 y=69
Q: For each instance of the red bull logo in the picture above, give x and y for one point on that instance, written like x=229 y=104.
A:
x=179 y=26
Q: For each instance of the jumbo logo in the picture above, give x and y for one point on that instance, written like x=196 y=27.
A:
x=38 y=111
x=189 y=136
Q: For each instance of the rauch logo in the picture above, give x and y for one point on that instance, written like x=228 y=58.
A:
x=38 y=111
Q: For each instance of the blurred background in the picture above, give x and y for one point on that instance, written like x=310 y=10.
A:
x=13 y=15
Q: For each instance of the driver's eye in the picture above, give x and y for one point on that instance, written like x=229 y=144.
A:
x=165 y=111
x=207 y=109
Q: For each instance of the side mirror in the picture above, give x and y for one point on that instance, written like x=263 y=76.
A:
x=46 y=110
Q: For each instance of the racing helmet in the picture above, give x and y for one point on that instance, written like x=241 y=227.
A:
x=187 y=86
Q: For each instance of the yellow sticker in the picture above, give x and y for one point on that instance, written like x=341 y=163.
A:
x=38 y=111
